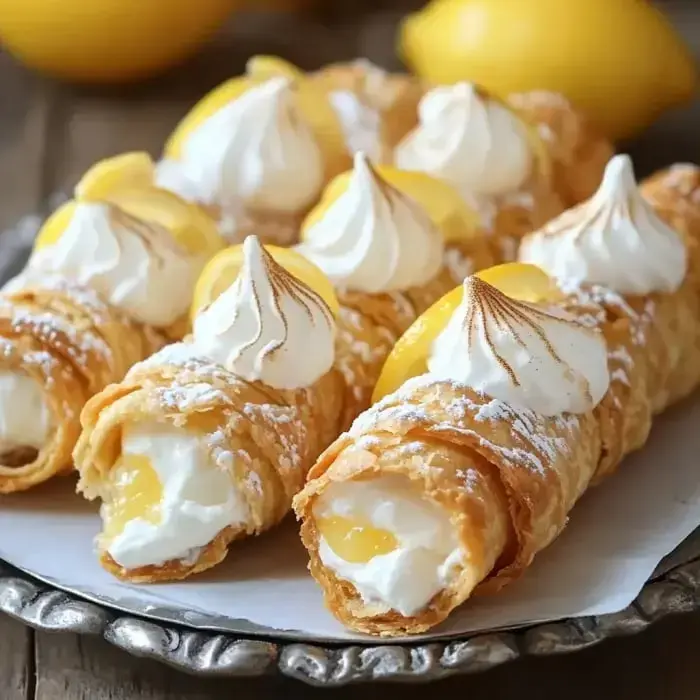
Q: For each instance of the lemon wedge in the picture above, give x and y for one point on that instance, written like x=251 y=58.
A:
x=409 y=356
x=223 y=269
x=109 y=176
x=441 y=201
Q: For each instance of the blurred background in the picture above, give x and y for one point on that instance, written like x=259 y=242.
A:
x=84 y=79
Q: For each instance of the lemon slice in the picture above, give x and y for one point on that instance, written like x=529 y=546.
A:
x=409 y=356
x=441 y=201
x=109 y=176
x=265 y=67
x=55 y=225
x=223 y=269
x=194 y=230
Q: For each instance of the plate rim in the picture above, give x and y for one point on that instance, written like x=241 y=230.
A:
x=673 y=590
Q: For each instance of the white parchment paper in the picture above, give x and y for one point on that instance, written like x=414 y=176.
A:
x=617 y=535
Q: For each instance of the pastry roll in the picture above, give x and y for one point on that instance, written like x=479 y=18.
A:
x=60 y=344
x=496 y=159
x=208 y=440
x=110 y=279
x=257 y=151
x=376 y=109
x=390 y=245
x=456 y=479
x=577 y=151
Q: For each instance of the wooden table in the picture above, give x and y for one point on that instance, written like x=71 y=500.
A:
x=49 y=134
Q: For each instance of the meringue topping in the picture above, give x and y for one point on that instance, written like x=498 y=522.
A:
x=475 y=143
x=374 y=238
x=134 y=265
x=257 y=152
x=527 y=356
x=614 y=239
x=268 y=325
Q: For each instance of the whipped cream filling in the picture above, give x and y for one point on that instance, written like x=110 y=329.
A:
x=257 y=152
x=615 y=239
x=134 y=265
x=525 y=355
x=198 y=498
x=268 y=326
x=469 y=140
x=374 y=238
x=427 y=557
x=25 y=417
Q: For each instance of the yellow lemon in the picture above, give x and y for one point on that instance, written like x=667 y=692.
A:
x=107 y=40
x=54 y=226
x=313 y=103
x=126 y=181
x=408 y=358
x=621 y=62
x=441 y=202
x=223 y=269
x=125 y=171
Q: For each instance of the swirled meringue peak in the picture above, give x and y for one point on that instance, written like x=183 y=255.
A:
x=615 y=239
x=374 y=238
x=528 y=356
x=268 y=326
x=475 y=143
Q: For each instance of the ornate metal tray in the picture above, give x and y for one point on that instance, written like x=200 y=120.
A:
x=673 y=588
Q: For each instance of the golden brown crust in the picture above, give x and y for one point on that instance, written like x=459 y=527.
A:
x=73 y=345
x=578 y=152
x=272 y=436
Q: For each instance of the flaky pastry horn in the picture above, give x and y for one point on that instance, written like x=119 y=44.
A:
x=265 y=439
x=491 y=482
x=71 y=345
x=578 y=153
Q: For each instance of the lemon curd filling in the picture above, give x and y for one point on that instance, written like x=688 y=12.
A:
x=355 y=539
x=136 y=492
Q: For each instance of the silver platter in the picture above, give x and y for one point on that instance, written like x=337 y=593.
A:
x=673 y=588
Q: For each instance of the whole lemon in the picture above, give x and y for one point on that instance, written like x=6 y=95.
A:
x=621 y=61
x=107 y=40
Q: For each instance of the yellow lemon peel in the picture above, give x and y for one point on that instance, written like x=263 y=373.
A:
x=109 y=176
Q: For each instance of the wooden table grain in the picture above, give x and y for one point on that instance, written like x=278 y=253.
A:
x=49 y=134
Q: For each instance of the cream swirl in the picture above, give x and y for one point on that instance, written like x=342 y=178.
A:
x=475 y=143
x=25 y=416
x=614 y=239
x=373 y=238
x=529 y=357
x=134 y=265
x=268 y=326
x=256 y=152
